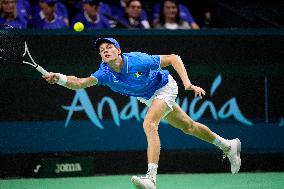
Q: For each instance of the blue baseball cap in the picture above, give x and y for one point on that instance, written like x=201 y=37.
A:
x=99 y=41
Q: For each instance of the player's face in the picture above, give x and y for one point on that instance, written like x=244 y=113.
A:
x=109 y=52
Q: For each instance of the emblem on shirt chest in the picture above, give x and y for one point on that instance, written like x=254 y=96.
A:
x=137 y=74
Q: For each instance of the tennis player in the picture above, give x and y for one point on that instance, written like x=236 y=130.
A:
x=141 y=75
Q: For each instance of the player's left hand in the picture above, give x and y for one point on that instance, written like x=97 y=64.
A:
x=198 y=91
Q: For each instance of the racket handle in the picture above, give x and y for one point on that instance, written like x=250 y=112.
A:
x=41 y=70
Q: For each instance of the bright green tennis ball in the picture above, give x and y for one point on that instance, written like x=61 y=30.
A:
x=78 y=26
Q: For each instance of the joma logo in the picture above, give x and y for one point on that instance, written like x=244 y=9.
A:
x=68 y=167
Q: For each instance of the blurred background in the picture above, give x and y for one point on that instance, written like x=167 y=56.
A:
x=95 y=14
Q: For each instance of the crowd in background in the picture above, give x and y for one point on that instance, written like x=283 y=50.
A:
x=138 y=14
x=96 y=14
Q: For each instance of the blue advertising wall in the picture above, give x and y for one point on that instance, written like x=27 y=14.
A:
x=241 y=71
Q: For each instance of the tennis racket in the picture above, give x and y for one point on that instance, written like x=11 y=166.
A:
x=14 y=48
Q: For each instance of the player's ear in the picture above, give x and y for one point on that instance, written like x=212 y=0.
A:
x=119 y=51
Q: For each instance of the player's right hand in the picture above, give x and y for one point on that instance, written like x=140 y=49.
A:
x=51 y=77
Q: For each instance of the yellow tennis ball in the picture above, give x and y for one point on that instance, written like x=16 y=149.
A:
x=78 y=26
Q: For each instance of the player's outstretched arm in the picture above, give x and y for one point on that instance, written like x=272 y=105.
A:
x=70 y=82
x=176 y=62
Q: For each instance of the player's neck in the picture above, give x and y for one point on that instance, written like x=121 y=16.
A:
x=116 y=65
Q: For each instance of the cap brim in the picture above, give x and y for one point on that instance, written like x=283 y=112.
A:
x=100 y=41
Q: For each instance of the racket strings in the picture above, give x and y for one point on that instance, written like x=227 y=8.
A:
x=11 y=44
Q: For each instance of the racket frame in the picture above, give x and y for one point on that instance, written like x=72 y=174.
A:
x=32 y=63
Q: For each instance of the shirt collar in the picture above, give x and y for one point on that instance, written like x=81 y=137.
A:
x=125 y=68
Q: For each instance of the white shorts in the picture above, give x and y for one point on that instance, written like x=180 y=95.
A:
x=168 y=93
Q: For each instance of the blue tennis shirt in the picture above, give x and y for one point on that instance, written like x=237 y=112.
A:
x=141 y=75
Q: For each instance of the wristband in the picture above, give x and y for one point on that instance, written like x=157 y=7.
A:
x=62 y=79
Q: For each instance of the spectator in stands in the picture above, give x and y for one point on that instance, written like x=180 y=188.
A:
x=132 y=15
x=47 y=17
x=118 y=11
x=77 y=7
x=184 y=13
x=169 y=17
x=91 y=16
x=60 y=10
x=9 y=14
